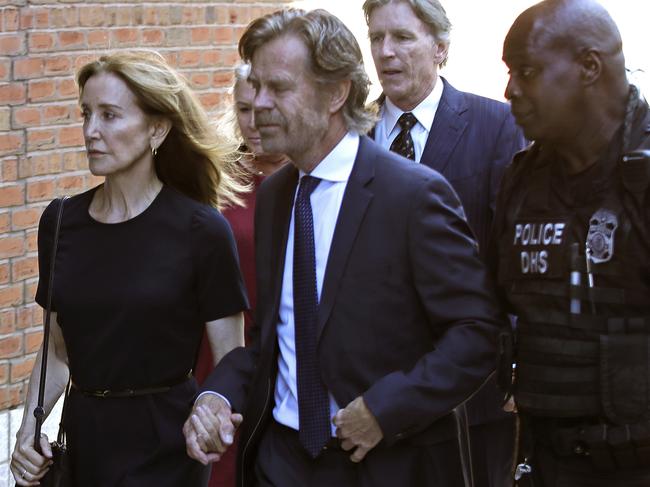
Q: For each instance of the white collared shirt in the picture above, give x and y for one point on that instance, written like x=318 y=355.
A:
x=334 y=171
x=387 y=128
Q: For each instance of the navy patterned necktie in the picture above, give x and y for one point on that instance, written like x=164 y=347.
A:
x=403 y=143
x=313 y=402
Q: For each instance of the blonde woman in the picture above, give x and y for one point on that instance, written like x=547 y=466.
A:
x=145 y=263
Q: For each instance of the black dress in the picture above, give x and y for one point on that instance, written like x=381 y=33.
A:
x=132 y=299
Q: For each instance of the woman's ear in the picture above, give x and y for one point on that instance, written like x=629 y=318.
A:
x=160 y=128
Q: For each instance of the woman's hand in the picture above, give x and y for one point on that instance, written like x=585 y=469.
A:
x=27 y=465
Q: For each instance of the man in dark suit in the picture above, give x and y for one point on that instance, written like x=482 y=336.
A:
x=374 y=317
x=469 y=139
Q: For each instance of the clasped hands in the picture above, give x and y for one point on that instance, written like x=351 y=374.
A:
x=210 y=429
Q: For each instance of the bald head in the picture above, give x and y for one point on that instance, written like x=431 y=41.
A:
x=571 y=25
x=567 y=70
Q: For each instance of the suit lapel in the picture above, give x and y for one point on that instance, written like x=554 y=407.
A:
x=353 y=208
x=448 y=126
x=283 y=203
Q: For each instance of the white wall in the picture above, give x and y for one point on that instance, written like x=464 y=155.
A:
x=479 y=28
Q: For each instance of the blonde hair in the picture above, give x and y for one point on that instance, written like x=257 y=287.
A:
x=195 y=158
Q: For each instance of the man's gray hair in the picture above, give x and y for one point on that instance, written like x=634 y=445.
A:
x=334 y=55
x=430 y=12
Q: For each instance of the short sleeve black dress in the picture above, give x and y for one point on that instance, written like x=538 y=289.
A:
x=132 y=299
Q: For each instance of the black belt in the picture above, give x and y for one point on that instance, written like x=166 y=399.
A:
x=132 y=392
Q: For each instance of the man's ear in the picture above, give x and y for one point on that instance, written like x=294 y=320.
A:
x=339 y=95
x=159 y=130
x=440 y=51
x=591 y=65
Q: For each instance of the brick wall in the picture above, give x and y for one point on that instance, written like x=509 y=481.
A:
x=42 y=44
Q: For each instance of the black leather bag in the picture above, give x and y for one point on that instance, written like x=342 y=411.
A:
x=58 y=475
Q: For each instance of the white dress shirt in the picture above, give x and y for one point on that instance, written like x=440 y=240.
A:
x=387 y=128
x=334 y=171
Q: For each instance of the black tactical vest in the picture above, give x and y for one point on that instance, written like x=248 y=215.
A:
x=574 y=262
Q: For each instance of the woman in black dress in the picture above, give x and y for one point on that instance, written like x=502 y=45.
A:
x=145 y=263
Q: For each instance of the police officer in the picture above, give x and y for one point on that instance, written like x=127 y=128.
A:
x=571 y=250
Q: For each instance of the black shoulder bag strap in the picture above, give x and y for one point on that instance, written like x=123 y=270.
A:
x=39 y=412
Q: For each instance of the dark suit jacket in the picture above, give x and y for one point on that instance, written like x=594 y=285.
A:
x=471 y=141
x=407 y=317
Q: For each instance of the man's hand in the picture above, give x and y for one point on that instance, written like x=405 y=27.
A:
x=210 y=429
x=356 y=427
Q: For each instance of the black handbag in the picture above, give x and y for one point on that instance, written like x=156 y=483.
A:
x=58 y=475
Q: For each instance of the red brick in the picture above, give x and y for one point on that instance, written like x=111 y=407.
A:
x=41 y=90
x=41 y=41
x=26 y=316
x=7 y=321
x=25 y=218
x=11 y=143
x=82 y=60
x=56 y=113
x=223 y=35
x=222 y=79
x=211 y=58
x=11 y=247
x=5 y=66
x=12 y=195
x=11 y=396
x=201 y=35
x=5 y=222
x=30 y=290
x=28 y=68
x=4 y=373
x=22 y=269
x=68 y=184
x=4 y=279
x=40 y=190
x=75 y=161
x=12 y=94
x=31 y=241
x=189 y=58
x=123 y=16
x=200 y=80
x=98 y=38
x=21 y=368
x=67 y=88
x=124 y=37
x=9 y=170
x=34 y=18
x=39 y=165
x=10 y=296
x=11 y=346
x=72 y=38
x=12 y=44
x=58 y=65
x=210 y=100
x=26 y=117
x=71 y=137
x=91 y=16
x=64 y=17
x=192 y=15
x=11 y=19
x=40 y=139
x=33 y=341
x=47 y=164
x=152 y=37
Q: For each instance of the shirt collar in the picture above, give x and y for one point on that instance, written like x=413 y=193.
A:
x=337 y=165
x=424 y=112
